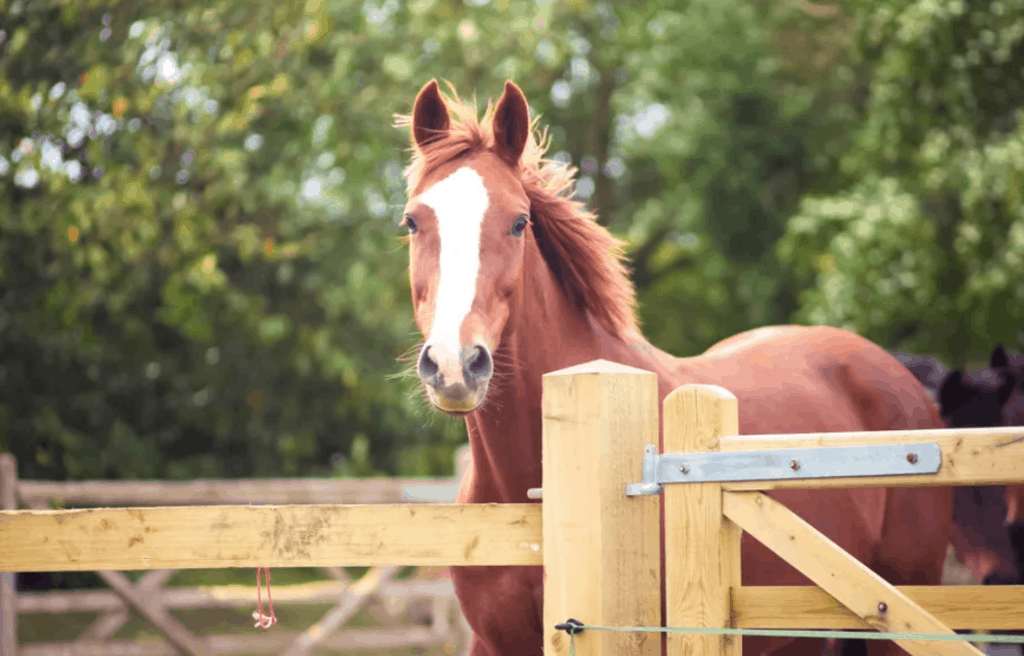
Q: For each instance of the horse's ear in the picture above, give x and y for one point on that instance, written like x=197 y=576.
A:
x=1006 y=389
x=954 y=393
x=999 y=358
x=429 y=115
x=511 y=124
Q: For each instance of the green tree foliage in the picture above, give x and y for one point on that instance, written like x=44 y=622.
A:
x=201 y=273
x=201 y=276
x=922 y=246
x=201 y=268
x=692 y=146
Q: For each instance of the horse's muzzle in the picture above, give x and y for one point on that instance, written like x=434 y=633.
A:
x=456 y=382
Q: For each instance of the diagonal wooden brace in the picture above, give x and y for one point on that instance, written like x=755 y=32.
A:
x=838 y=573
x=353 y=599
x=144 y=601
x=110 y=621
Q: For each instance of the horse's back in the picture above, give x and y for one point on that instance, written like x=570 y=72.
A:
x=795 y=379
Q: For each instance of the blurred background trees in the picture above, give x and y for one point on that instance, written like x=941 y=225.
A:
x=201 y=274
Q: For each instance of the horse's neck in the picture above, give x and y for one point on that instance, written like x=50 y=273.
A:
x=543 y=334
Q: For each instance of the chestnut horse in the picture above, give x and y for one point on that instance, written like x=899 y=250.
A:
x=512 y=279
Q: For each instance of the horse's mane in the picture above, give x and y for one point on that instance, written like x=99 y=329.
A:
x=586 y=259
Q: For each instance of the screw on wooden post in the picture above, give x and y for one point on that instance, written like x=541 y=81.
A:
x=702 y=547
x=601 y=548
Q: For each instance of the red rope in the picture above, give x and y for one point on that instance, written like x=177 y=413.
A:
x=263 y=621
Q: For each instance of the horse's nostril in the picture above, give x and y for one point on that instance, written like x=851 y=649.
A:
x=478 y=364
x=427 y=367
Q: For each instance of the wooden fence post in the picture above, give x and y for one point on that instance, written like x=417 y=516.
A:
x=601 y=548
x=702 y=547
x=8 y=580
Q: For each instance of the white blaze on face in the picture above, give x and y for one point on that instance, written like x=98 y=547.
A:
x=459 y=203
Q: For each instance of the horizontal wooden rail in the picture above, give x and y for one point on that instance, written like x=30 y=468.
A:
x=982 y=607
x=214 y=492
x=970 y=456
x=225 y=596
x=202 y=537
x=254 y=642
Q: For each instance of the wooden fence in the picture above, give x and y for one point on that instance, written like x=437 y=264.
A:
x=426 y=602
x=600 y=548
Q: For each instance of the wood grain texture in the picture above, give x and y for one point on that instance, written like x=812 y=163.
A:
x=703 y=546
x=970 y=456
x=602 y=552
x=269 y=536
x=839 y=573
x=979 y=607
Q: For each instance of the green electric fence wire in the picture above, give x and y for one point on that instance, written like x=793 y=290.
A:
x=572 y=628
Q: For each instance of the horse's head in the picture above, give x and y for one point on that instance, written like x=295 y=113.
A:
x=983 y=398
x=468 y=218
x=1012 y=367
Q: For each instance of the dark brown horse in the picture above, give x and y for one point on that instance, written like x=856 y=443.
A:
x=984 y=537
x=512 y=279
x=984 y=534
x=1012 y=367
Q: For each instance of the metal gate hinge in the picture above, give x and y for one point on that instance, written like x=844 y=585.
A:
x=784 y=464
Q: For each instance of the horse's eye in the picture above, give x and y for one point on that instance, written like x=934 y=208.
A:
x=519 y=226
x=410 y=223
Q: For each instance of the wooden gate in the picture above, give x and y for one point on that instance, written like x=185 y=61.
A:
x=704 y=522
x=600 y=548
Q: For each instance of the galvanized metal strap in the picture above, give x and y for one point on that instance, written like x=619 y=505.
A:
x=784 y=464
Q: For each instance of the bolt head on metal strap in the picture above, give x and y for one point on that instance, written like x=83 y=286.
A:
x=784 y=464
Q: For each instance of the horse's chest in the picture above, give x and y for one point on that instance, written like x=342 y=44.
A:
x=503 y=606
